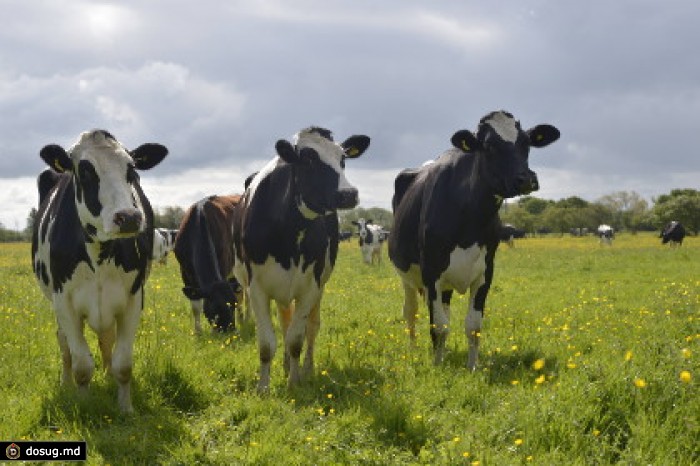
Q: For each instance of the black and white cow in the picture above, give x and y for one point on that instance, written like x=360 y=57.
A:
x=204 y=249
x=673 y=233
x=605 y=234
x=446 y=224
x=371 y=240
x=508 y=233
x=91 y=250
x=163 y=243
x=286 y=240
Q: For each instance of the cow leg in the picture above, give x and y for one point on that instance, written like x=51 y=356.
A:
x=267 y=344
x=313 y=324
x=410 y=309
x=439 y=322
x=122 y=360
x=197 y=309
x=67 y=371
x=472 y=325
x=81 y=361
x=295 y=337
x=106 y=342
x=285 y=316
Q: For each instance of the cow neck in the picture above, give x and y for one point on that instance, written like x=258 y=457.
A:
x=307 y=212
x=483 y=197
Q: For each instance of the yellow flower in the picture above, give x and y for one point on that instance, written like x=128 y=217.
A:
x=514 y=382
x=640 y=383
x=628 y=355
x=686 y=353
x=539 y=379
x=518 y=441
x=685 y=377
x=539 y=364
x=571 y=365
x=596 y=432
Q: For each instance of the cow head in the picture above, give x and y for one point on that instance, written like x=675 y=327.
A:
x=361 y=224
x=106 y=182
x=504 y=148
x=219 y=302
x=319 y=170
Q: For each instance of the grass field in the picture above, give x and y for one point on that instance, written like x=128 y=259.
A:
x=590 y=355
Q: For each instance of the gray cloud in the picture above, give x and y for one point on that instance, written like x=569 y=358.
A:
x=219 y=82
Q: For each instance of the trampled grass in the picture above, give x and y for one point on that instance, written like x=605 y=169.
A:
x=590 y=355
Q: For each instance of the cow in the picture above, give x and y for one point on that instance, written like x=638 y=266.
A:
x=286 y=240
x=163 y=243
x=508 y=233
x=605 y=234
x=204 y=250
x=446 y=223
x=371 y=240
x=673 y=233
x=91 y=251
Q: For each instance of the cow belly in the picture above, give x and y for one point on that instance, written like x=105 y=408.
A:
x=99 y=297
x=466 y=266
x=281 y=284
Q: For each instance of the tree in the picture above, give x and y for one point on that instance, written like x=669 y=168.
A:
x=378 y=215
x=168 y=217
x=628 y=209
x=682 y=205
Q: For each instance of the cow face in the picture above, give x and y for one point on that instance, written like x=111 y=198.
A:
x=319 y=169
x=106 y=182
x=504 y=148
x=361 y=224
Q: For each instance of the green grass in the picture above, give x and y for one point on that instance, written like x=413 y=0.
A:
x=582 y=353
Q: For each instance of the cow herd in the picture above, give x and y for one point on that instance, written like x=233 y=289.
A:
x=94 y=240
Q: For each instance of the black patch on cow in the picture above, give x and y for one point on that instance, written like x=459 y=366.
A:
x=46 y=182
x=88 y=187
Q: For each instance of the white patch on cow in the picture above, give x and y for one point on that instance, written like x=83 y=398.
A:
x=466 y=267
x=373 y=249
x=504 y=125
x=261 y=175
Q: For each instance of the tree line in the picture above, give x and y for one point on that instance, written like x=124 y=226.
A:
x=623 y=210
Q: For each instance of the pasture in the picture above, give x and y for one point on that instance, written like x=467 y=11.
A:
x=589 y=355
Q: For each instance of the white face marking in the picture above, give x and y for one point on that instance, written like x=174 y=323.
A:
x=329 y=152
x=504 y=126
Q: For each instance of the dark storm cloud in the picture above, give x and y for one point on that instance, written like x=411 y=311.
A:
x=218 y=82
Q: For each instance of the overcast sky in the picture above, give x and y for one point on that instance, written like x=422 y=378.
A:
x=218 y=82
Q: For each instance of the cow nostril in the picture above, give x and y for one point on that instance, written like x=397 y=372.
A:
x=128 y=221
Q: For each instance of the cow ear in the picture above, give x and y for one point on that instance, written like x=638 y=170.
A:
x=249 y=180
x=56 y=157
x=465 y=141
x=542 y=135
x=147 y=156
x=354 y=146
x=286 y=151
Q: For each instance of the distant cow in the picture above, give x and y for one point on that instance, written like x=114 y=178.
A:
x=163 y=243
x=606 y=234
x=446 y=224
x=371 y=240
x=204 y=249
x=508 y=233
x=286 y=239
x=91 y=250
x=673 y=233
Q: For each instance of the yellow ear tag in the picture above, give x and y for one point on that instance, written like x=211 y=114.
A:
x=58 y=166
x=540 y=137
x=465 y=147
x=353 y=152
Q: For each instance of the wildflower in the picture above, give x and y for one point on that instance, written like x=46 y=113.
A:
x=518 y=441
x=540 y=379
x=685 y=376
x=640 y=383
x=628 y=356
x=686 y=353
x=515 y=382
x=539 y=364
x=571 y=365
x=596 y=432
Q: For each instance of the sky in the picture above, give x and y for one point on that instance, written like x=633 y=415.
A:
x=218 y=82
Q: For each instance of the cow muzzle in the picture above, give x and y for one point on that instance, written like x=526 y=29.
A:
x=527 y=183
x=346 y=199
x=128 y=221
